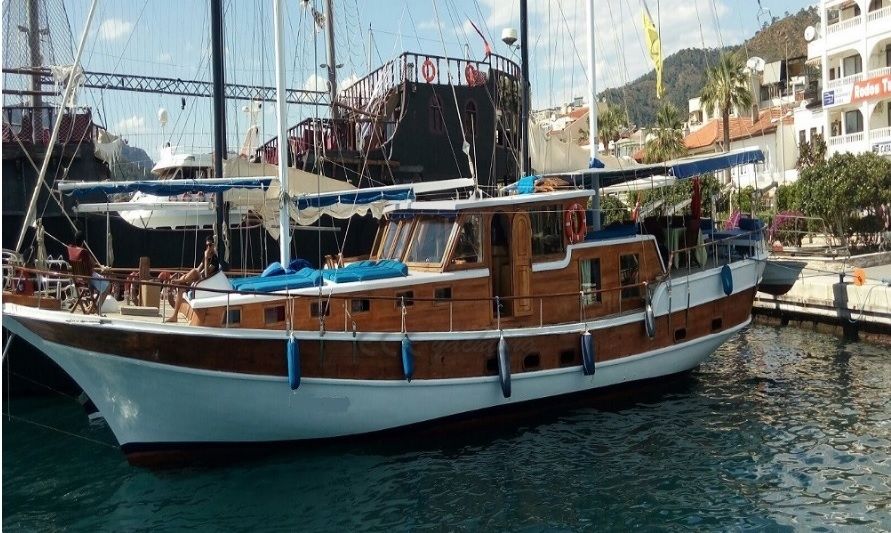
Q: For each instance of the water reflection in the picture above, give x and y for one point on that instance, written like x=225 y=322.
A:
x=781 y=429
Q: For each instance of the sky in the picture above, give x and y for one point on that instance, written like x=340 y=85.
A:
x=170 y=38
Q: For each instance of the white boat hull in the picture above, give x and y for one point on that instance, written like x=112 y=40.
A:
x=154 y=405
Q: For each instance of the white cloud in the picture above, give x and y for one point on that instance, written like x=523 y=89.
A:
x=112 y=29
x=164 y=57
x=315 y=83
x=559 y=46
x=134 y=124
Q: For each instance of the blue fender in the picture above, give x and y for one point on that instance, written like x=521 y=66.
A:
x=504 y=367
x=650 y=321
x=408 y=359
x=587 y=341
x=293 y=356
x=727 y=280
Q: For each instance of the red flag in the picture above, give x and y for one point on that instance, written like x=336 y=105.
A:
x=696 y=200
x=488 y=49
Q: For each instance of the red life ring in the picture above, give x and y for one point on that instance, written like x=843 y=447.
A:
x=473 y=76
x=428 y=70
x=574 y=224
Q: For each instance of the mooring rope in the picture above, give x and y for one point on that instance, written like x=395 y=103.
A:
x=62 y=431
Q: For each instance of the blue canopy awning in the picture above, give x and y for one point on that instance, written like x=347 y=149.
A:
x=163 y=187
x=679 y=168
x=357 y=197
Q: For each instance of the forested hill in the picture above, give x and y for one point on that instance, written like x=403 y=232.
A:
x=684 y=71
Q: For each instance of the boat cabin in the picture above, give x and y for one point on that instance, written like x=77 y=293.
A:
x=468 y=264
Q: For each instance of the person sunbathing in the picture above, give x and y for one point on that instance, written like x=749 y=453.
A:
x=209 y=266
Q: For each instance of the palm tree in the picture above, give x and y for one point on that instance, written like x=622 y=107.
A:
x=610 y=124
x=726 y=87
x=668 y=137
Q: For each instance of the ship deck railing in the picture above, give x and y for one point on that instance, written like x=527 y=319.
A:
x=632 y=297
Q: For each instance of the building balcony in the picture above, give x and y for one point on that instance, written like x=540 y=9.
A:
x=881 y=71
x=844 y=25
x=842 y=82
x=851 y=138
x=880 y=134
x=878 y=14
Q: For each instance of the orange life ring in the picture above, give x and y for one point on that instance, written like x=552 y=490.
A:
x=574 y=224
x=428 y=70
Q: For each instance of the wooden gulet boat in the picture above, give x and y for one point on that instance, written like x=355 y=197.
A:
x=467 y=305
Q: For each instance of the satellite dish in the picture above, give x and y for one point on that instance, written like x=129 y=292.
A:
x=755 y=64
x=163 y=117
x=810 y=33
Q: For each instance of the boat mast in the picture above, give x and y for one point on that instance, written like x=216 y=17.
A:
x=592 y=111
x=66 y=97
x=36 y=61
x=219 y=118
x=332 y=61
x=525 y=161
x=284 y=238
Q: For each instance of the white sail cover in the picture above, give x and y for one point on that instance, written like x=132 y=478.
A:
x=108 y=147
x=558 y=151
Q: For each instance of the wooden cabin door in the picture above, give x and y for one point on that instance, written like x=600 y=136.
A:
x=521 y=263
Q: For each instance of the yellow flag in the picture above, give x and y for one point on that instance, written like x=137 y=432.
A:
x=654 y=44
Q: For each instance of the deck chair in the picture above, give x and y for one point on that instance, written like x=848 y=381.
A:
x=87 y=295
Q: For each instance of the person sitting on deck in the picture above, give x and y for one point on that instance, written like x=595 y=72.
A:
x=209 y=266
x=78 y=252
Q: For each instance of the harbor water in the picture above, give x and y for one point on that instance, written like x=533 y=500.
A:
x=782 y=429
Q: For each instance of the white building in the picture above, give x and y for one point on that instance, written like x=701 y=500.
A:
x=852 y=45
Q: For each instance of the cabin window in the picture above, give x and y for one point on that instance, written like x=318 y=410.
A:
x=408 y=297
x=429 y=240
x=360 y=306
x=379 y=238
x=680 y=334
x=531 y=361
x=436 y=122
x=396 y=239
x=470 y=119
x=547 y=230
x=589 y=274
x=233 y=317
x=717 y=323
x=629 y=276
x=567 y=358
x=442 y=294
x=316 y=309
x=274 y=315
x=470 y=243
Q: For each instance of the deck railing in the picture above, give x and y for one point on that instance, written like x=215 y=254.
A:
x=32 y=125
x=365 y=129
x=581 y=299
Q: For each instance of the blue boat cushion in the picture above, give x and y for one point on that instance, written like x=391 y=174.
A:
x=306 y=277
x=274 y=269
x=298 y=263
x=367 y=270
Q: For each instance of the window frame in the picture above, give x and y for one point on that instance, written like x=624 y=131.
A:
x=625 y=289
x=447 y=246
x=559 y=210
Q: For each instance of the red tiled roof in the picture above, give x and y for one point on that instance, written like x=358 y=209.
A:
x=740 y=128
x=578 y=113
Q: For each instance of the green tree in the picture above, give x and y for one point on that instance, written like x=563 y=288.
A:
x=610 y=124
x=668 y=137
x=844 y=190
x=726 y=87
x=812 y=153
